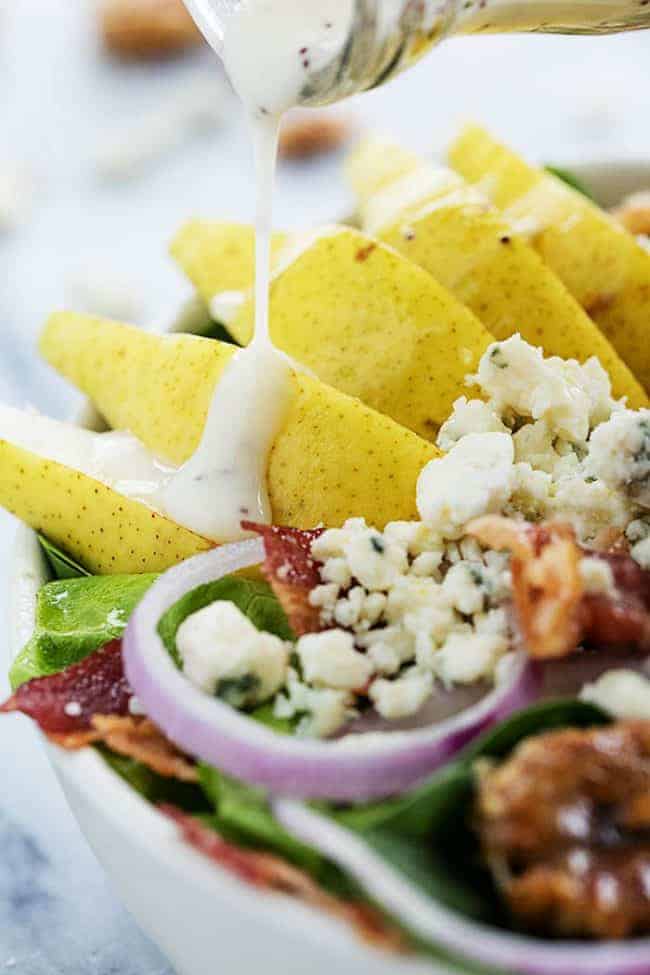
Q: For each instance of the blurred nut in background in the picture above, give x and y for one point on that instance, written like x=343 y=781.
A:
x=307 y=133
x=147 y=29
x=634 y=213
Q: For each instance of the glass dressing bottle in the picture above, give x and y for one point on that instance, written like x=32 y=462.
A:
x=335 y=48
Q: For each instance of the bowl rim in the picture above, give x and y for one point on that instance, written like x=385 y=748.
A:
x=131 y=813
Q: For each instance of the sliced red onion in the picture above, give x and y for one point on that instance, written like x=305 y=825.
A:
x=438 y=925
x=354 y=767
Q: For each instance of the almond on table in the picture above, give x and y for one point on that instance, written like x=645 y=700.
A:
x=307 y=134
x=147 y=29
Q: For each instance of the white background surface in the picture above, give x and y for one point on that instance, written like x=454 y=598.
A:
x=60 y=101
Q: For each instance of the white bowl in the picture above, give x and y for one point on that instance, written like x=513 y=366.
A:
x=200 y=916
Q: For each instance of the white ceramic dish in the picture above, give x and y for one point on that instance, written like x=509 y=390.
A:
x=202 y=918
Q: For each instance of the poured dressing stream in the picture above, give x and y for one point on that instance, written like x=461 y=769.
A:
x=224 y=481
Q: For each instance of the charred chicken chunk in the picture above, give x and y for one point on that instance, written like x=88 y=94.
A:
x=564 y=825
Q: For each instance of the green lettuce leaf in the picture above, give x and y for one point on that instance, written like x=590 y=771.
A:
x=156 y=788
x=426 y=834
x=570 y=178
x=74 y=617
x=244 y=814
x=63 y=566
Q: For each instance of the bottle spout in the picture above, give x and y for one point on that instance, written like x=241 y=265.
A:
x=209 y=16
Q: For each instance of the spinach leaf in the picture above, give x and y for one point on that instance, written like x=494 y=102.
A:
x=63 y=566
x=426 y=834
x=245 y=813
x=156 y=788
x=546 y=716
x=254 y=598
x=74 y=617
x=570 y=178
x=216 y=330
x=196 y=319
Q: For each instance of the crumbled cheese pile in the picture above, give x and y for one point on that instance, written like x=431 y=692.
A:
x=421 y=605
x=577 y=454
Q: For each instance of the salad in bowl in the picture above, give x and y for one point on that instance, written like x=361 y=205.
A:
x=416 y=697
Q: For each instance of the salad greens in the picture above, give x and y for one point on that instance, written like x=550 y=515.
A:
x=157 y=788
x=74 y=617
x=244 y=814
x=63 y=566
x=570 y=178
x=426 y=834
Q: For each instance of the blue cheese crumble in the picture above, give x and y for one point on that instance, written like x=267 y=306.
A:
x=421 y=606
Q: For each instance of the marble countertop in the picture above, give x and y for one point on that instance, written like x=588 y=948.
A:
x=558 y=98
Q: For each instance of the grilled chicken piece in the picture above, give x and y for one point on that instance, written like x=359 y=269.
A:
x=565 y=828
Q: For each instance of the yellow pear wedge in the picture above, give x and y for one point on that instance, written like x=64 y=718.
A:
x=372 y=324
x=603 y=266
x=43 y=482
x=219 y=257
x=375 y=164
x=449 y=228
x=334 y=458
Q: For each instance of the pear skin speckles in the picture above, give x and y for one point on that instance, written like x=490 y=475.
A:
x=333 y=459
x=365 y=320
x=105 y=531
x=604 y=267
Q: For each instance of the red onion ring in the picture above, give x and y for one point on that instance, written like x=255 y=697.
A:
x=441 y=926
x=354 y=767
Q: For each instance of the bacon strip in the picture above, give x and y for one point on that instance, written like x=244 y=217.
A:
x=143 y=741
x=291 y=572
x=555 y=614
x=64 y=704
x=269 y=872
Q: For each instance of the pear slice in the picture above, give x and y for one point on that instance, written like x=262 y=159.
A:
x=451 y=229
x=603 y=266
x=377 y=163
x=219 y=257
x=65 y=483
x=334 y=458
x=372 y=324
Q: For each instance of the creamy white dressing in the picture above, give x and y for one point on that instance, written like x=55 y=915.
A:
x=273 y=49
x=224 y=481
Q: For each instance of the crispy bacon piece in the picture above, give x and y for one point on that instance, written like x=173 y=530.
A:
x=88 y=703
x=291 y=572
x=64 y=704
x=565 y=826
x=554 y=613
x=270 y=872
x=142 y=740
x=546 y=581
